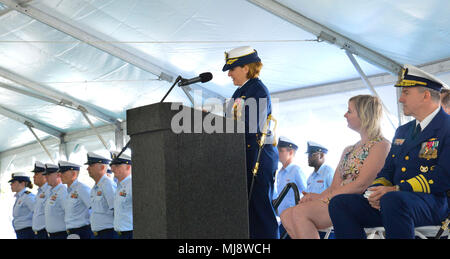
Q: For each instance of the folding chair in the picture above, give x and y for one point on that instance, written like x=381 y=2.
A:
x=327 y=231
x=436 y=231
x=281 y=196
x=375 y=233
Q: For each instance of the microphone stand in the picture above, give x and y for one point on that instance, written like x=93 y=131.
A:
x=179 y=78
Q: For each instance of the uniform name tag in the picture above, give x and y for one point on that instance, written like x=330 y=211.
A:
x=429 y=149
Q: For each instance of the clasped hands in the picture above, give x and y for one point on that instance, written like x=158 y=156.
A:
x=374 y=194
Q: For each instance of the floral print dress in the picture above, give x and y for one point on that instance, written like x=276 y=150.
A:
x=353 y=160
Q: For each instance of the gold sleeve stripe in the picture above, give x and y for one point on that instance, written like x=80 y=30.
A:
x=382 y=181
x=425 y=182
x=424 y=188
x=416 y=186
x=419 y=184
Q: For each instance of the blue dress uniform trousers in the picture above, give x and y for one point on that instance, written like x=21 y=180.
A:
x=84 y=232
x=125 y=234
x=25 y=233
x=400 y=213
x=262 y=219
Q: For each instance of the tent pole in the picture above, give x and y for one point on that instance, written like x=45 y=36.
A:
x=93 y=127
x=40 y=143
x=369 y=85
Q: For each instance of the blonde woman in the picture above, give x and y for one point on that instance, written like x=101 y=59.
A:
x=358 y=167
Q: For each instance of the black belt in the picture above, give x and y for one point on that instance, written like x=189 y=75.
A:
x=73 y=230
x=124 y=232
x=96 y=233
x=40 y=231
x=23 y=229
x=56 y=234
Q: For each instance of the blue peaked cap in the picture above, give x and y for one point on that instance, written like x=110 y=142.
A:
x=239 y=57
x=314 y=147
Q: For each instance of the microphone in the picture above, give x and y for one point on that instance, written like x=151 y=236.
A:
x=203 y=77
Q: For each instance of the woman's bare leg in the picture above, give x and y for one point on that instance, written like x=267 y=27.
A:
x=304 y=220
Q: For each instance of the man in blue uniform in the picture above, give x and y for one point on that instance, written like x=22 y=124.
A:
x=78 y=204
x=322 y=176
x=289 y=173
x=243 y=66
x=102 y=197
x=41 y=197
x=54 y=205
x=410 y=189
x=123 y=200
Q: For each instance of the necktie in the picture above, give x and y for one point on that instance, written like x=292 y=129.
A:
x=417 y=130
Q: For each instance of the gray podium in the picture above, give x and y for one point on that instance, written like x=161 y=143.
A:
x=186 y=185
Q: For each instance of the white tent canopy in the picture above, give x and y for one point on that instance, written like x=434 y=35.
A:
x=62 y=60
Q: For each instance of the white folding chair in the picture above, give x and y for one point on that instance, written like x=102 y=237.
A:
x=327 y=232
x=375 y=233
x=426 y=232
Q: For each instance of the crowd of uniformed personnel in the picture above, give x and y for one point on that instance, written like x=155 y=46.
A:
x=65 y=208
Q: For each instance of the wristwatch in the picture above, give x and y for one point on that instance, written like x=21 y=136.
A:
x=397 y=188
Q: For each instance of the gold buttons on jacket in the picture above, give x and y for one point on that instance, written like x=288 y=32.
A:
x=403 y=169
x=393 y=155
x=406 y=157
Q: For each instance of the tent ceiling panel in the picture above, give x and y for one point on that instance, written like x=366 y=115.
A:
x=409 y=32
x=189 y=37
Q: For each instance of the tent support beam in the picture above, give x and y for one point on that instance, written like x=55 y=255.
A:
x=330 y=36
x=63 y=149
x=369 y=85
x=119 y=137
x=61 y=98
x=30 y=122
x=40 y=143
x=435 y=68
x=94 y=128
x=68 y=137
